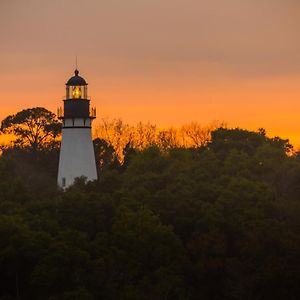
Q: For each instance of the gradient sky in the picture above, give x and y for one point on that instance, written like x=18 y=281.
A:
x=164 y=61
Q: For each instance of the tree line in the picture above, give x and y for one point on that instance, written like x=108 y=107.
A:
x=218 y=220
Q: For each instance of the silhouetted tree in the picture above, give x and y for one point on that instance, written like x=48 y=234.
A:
x=105 y=155
x=34 y=127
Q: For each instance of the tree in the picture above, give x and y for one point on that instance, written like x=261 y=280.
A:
x=197 y=135
x=36 y=128
x=105 y=154
x=116 y=133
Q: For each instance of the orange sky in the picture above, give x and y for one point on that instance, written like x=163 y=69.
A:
x=167 y=62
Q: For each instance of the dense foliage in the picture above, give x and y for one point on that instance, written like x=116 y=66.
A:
x=220 y=221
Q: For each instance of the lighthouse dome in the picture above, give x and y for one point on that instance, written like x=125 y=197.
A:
x=76 y=80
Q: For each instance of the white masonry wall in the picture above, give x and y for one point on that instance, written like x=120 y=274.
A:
x=77 y=156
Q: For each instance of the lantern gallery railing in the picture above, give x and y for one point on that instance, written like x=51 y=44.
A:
x=93 y=112
x=65 y=98
x=60 y=113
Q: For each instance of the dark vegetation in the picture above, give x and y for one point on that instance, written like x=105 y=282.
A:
x=218 y=221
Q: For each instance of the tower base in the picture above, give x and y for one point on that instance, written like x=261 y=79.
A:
x=77 y=156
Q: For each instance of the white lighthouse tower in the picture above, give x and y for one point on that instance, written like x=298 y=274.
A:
x=77 y=157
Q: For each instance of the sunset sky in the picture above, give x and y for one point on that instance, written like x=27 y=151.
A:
x=169 y=62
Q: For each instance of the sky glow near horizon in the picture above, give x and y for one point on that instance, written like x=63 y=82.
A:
x=167 y=62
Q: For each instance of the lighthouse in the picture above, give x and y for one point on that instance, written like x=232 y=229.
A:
x=77 y=156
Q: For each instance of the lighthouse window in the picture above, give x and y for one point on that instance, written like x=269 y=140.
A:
x=76 y=92
x=67 y=93
x=63 y=182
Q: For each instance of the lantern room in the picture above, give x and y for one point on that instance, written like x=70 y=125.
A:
x=76 y=87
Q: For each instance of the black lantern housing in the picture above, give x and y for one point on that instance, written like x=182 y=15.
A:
x=76 y=103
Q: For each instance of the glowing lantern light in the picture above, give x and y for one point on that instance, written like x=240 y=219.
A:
x=76 y=92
